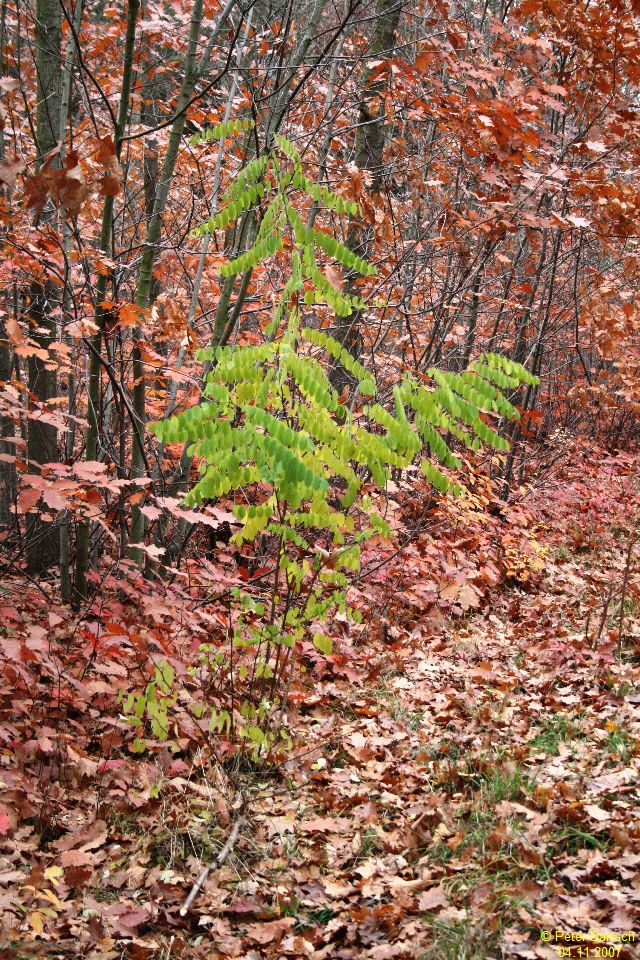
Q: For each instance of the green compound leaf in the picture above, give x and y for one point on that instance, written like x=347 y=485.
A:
x=222 y=130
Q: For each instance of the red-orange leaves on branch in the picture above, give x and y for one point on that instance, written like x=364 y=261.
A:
x=7 y=85
x=37 y=191
x=110 y=183
x=22 y=345
x=14 y=332
x=67 y=187
x=130 y=315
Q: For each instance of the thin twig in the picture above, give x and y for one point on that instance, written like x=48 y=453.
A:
x=220 y=859
x=623 y=596
x=603 y=619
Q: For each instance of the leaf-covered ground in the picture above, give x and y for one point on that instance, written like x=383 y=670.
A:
x=464 y=774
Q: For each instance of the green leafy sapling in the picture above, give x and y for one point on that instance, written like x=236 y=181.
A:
x=272 y=435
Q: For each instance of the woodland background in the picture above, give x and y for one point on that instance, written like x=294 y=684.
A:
x=456 y=768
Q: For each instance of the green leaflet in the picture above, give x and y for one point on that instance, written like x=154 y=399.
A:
x=336 y=350
x=221 y=131
x=250 y=174
x=497 y=362
x=243 y=201
x=288 y=149
x=342 y=254
x=254 y=256
x=323 y=643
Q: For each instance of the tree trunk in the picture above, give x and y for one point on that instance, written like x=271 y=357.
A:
x=369 y=147
x=149 y=253
x=42 y=540
x=93 y=388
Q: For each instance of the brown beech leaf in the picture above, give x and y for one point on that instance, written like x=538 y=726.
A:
x=69 y=187
x=111 y=180
x=14 y=332
x=87 y=837
x=434 y=899
x=9 y=84
x=268 y=932
x=596 y=813
x=37 y=190
x=9 y=171
x=75 y=858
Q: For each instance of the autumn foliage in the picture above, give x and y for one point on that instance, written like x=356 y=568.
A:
x=319 y=406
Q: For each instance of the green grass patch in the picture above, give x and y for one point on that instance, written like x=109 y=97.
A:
x=571 y=839
x=305 y=918
x=561 y=729
x=370 y=844
x=620 y=743
x=460 y=940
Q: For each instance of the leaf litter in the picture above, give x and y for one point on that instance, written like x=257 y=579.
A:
x=464 y=771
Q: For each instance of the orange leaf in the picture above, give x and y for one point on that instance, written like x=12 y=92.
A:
x=130 y=315
x=111 y=179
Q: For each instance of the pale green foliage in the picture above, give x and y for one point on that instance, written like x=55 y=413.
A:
x=272 y=434
x=221 y=130
x=152 y=707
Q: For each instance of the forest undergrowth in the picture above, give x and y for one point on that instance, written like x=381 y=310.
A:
x=319 y=506
x=464 y=767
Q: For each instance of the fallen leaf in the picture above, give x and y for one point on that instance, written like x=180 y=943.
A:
x=596 y=813
x=433 y=899
x=268 y=932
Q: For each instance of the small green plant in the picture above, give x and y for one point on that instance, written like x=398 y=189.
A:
x=494 y=780
x=446 y=748
x=299 y=463
x=305 y=919
x=321 y=916
x=152 y=707
x=413 y=719
x=439 y=853
x=370 y=844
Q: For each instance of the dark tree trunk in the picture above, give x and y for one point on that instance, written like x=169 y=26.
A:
x=42 y=543
x=369 y=148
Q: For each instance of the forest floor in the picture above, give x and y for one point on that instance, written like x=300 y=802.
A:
x=462 y=779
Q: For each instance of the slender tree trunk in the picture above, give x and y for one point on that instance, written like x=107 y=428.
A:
x=93 y=388
x=66 y=588
x=149 y=253
x=7 y=427
x=369 y=147
x=472 y=324
x=42 y=541
x=536 y=368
